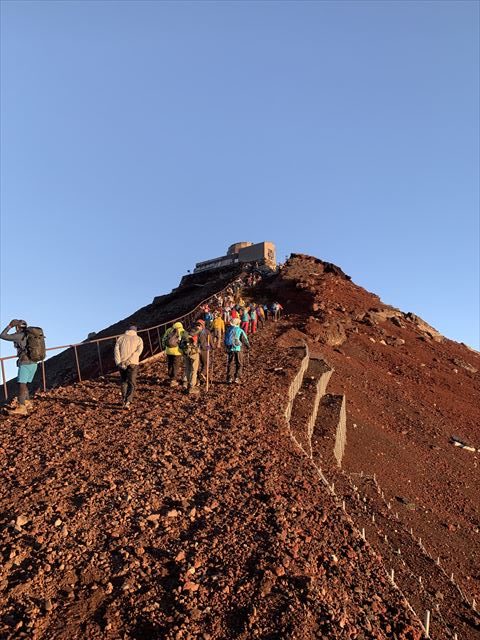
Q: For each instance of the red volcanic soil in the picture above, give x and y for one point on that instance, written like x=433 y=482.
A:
x=201 y=518
x=408 y=391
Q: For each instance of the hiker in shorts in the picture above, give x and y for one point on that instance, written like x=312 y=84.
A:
x=127 y=352
x=27 y=367
x=171 y=342
x=235 y=337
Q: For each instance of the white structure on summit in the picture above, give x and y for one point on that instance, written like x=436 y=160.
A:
x=264 y=253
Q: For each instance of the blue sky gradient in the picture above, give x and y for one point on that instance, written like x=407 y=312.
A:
x=141 y=137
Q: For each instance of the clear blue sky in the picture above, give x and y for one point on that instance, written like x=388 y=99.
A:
x=141 y=137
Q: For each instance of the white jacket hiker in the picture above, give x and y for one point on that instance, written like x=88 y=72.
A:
x=128 y=349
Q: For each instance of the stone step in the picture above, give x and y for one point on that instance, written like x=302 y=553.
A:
x=330 y=431
x=307 y=400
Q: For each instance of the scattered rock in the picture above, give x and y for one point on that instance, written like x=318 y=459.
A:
x=21 y=521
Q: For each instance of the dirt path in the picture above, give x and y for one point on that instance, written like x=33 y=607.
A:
x=184 y=518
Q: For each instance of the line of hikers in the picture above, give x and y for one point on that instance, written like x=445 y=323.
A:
x=194 y=347
x=226 y=321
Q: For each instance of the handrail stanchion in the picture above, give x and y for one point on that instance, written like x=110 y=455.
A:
x=150 y=341
x=5 y=387
x=208 y=363
x=44 y=377
x=78 y=363
x=159 y=340
x=100 y=358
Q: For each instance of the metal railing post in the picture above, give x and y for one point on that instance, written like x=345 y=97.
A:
x=100 y=358
x=78 y=364
x=150 y=341
x=44 y=377
x=159 y=340
x=5 y=388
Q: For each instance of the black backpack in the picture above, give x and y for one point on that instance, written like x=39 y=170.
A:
x=173 y=339
x=189 y=346
x=35 y=347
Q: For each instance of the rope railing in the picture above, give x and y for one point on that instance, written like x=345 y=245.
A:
x=186 y=318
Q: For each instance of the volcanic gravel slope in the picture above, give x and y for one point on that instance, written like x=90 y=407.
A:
x=408 y=390
x=183 y=518
x=199 y=518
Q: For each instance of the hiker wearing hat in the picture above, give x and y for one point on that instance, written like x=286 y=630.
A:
x=30 y=345
x=235 y=338
x=189 y=346
x=171 y=344
x=128 y=349
x=205 y=345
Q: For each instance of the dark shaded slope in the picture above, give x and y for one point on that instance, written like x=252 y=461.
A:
x=61 y=369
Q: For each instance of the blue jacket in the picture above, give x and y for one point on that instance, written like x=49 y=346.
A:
x=242 y=337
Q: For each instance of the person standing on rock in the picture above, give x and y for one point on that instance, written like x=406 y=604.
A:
x=235 y=337
x=171 y=344
x=127 y=352
x=30 y=350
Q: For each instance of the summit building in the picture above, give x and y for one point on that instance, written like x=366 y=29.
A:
x=263 y=253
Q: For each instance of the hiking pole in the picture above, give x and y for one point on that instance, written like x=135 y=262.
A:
x=208 y=363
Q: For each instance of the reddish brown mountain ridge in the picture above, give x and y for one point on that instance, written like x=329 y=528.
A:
x=228 y=516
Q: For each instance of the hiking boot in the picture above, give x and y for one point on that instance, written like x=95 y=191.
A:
x=229 y=381
x=21 y=410
x=29 y=404
x=193 y=391
x=127 y=405
x=174 y=383
x=237 y=380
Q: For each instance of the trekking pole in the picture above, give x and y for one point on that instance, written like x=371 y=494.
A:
x=208 y=363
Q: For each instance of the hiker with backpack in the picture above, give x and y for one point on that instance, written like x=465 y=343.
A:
x=275 y=311
x=171 y=344
x=30 y=345
x=245 y=319
x=127 y=352
x=205 y=346
x=235 y=338
x=253 y=319
x=208 y=318
x=260 y=316
x=189 y=348
x=218 y=326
